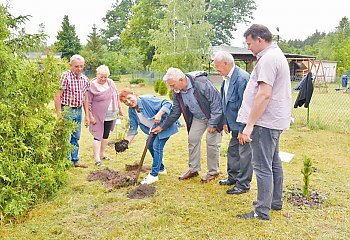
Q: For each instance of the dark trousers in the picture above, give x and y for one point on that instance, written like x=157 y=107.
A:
x=239 y=165
x=268 y=169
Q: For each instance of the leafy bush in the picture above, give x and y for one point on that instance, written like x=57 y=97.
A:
x=163 y=89
x=137 y=81
x=115 y=78
x=33 y=145
x=170 y=94
x=156 y=85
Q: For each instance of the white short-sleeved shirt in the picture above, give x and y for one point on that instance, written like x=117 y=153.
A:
x=271 y=68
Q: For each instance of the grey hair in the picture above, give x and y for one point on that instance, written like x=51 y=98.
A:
x=103 y=69
x=223 y=56
x=76 y=57
x=173 y=74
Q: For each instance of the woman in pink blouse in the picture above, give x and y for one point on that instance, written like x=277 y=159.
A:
x=104 y=107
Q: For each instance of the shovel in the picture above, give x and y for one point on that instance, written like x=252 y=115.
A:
x=143 y=157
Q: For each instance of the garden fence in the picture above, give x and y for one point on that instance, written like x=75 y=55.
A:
x=329 y=107
x=149 y=76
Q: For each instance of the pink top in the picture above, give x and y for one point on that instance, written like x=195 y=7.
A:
x=271 y=68
x=99 y=103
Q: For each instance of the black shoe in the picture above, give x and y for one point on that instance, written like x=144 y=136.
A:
x=236 y=190
x=251 y=215
x=226 y=182
x=276 y=208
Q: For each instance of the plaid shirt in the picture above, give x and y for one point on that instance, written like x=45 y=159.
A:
x=74 y=88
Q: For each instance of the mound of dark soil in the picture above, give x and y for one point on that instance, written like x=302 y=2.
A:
x=142 y=191
x=123 y=181
x=133 y=167
x=112 y=179
x=314 y=200
x=103 y=175
x=115 y=180
x=121 y=145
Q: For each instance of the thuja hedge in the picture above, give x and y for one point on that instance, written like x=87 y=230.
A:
x=156 y=85
x=163 y=88
x=33 y=144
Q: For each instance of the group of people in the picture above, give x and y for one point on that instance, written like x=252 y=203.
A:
x=101 y=104
x=253 y=108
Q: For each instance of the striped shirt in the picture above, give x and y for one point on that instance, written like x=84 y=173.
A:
x=74 y=87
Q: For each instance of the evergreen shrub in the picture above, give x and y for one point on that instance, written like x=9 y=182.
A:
x=156 y=85
x=163 y=89
x=33 y=145
x=137 y=81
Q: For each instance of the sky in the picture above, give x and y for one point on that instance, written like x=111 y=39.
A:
x=295 y=19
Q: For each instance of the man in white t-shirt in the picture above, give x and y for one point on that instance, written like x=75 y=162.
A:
x=266 y=111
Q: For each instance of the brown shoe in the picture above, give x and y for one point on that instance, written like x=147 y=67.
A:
x=208 y=177
x=188 y=175
x=78 y=164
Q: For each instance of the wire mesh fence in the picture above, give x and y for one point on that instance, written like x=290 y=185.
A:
x=329 y=109
x=149 y=76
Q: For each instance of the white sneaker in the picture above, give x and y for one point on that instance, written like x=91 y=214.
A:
x=163 y=172
x=149 y=179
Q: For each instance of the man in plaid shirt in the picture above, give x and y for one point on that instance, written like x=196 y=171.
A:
x=73 y=94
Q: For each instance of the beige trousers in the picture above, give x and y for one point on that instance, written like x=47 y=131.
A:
x=213 y=142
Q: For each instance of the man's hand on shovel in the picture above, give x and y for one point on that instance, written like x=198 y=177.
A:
x=157 y=130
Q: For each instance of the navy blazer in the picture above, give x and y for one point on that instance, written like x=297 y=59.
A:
x=233 y=101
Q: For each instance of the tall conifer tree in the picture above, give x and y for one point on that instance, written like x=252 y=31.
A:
x=67 y=40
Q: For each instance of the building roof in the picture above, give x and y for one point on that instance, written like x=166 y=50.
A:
x=36 y=55
x=246 y=55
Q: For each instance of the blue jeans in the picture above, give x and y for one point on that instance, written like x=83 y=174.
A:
x=75 y=114
x=268 y=169
x=156 y=148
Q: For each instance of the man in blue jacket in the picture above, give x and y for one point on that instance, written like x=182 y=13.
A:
x=200 y=104
x=239 y=166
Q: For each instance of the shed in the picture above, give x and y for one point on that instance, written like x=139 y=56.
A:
x=299 y=64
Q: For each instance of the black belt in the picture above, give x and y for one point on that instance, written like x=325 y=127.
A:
x=70 y=106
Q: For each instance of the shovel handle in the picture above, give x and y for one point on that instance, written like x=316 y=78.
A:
x=143 y=156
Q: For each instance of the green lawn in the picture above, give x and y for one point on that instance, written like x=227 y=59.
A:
x=190 y=209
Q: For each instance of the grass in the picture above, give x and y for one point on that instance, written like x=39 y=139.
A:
x=190 y=209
